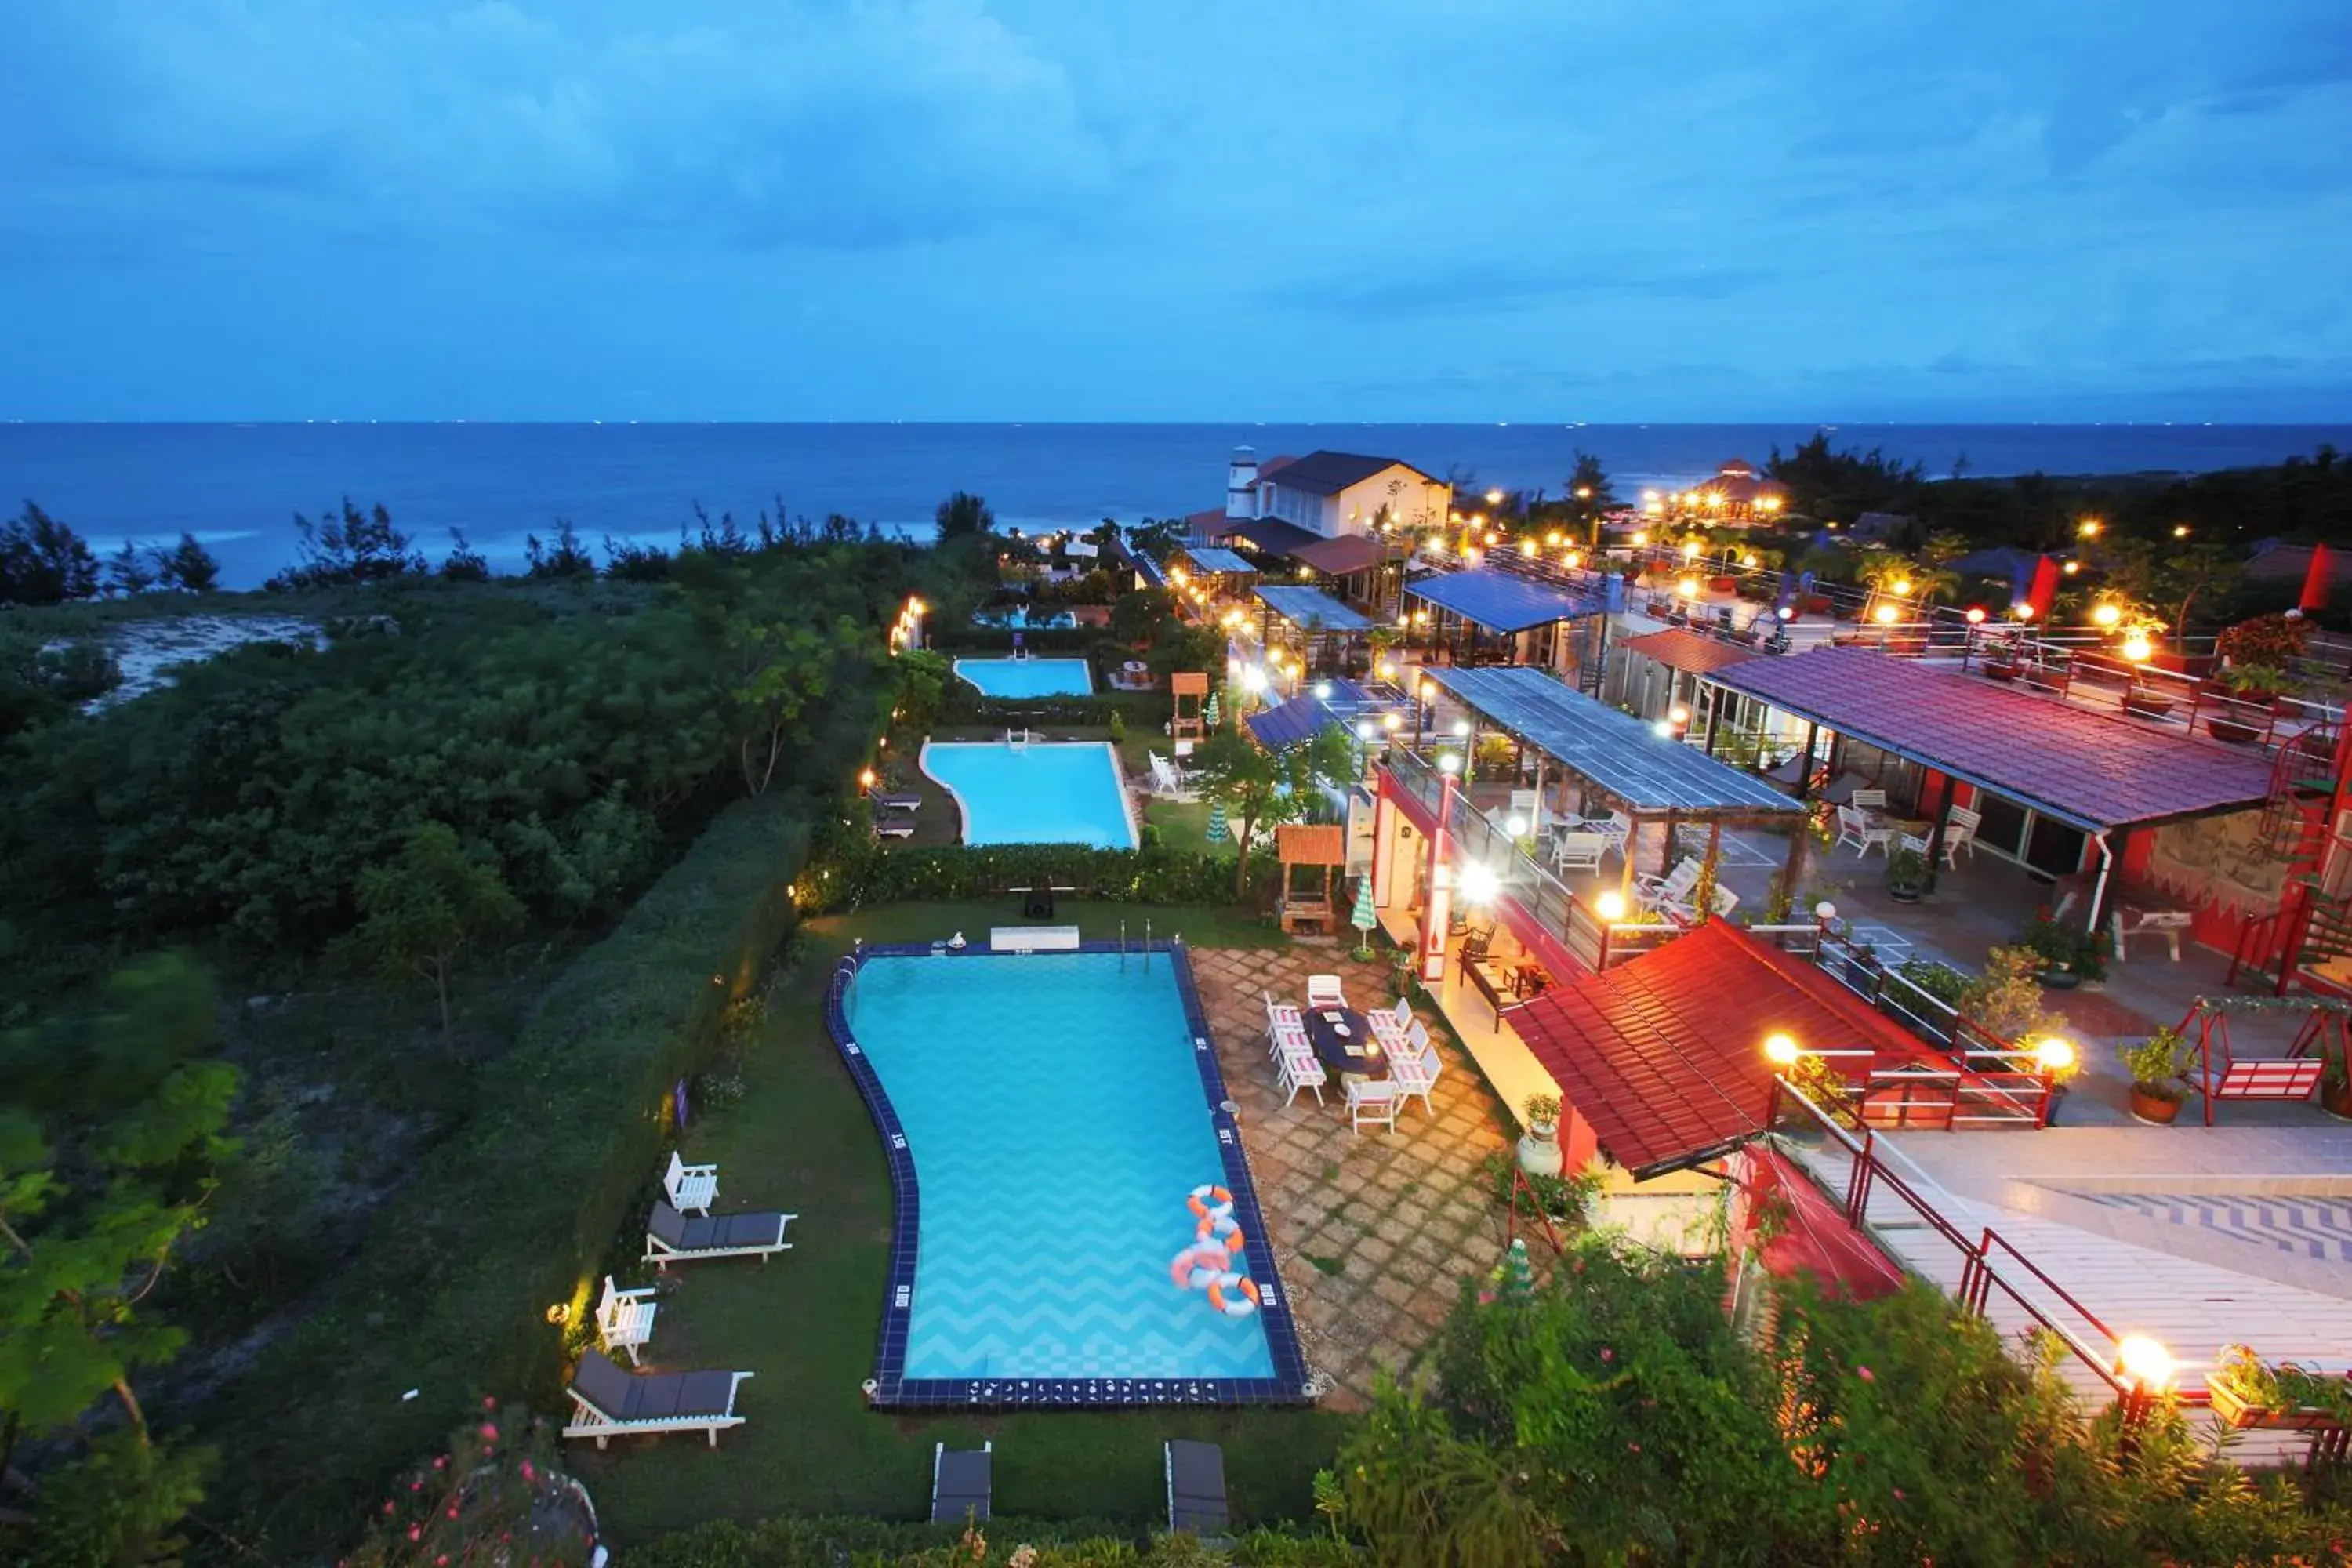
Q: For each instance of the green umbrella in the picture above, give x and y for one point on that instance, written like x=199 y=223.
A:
x=1363 y=919
x=1212 y=715
x=1218 y=833
x=1518 y=1280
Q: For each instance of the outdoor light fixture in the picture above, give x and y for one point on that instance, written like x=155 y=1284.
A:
x=1903 y=587
x=1516 y=827
x=2106 y=615
x=2022 y=612
x=1492 y=536
x=2054 y=1055
x=1323 y=690
x=866 y=778
x=1387 y=670
x=1460 y=729
x=1306 y=574
x=1886 y=614
x=1825 y=912
x=2071 y=567
x=1976 y=615
x=1687 y=587
x=1421 y=617
x=1552 y=539
x=1690 y=549
x=1364 y=730
x=2179 y=531
x=2145 y=1362
x=1254 y=677
x=2137 y=649
x=1609 y=906
x=1678 y=715
x=1786 y=612
x=1747 y=562
x=1781 y=1050
x=1429 y=691
x=1392 y=721
x=1449 y=763
x=1663 y=731
x=1640 y=536
x=1494 y=498
x=2090 y=527
x=1527 y=546
x=1477 y=883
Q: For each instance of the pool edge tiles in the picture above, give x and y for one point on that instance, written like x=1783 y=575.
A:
x=1130 y=824
x=962 y=669
x=890 y=1388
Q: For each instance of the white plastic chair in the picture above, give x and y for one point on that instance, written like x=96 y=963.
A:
x=1579 y=851
x=1390 y=1024
x=1864 y=835
x=1417 y=1073
x=1371 y=1099
x=1299 y=1070
x=624 y=1319
x=1868 y=800
x=1674 y=888
x=1280 y=1017
x=691 y=1188
x=1325 y=991
x=1960 y=826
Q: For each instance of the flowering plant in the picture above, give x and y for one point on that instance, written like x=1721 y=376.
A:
x=492 y=1500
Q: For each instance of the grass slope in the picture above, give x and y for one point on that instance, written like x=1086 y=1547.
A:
x=801 y=1139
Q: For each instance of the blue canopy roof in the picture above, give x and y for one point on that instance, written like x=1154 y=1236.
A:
x=1617 y=754
x=1312 y=609
x=1216 y=558
x=1287 y=723
x=1499 y=600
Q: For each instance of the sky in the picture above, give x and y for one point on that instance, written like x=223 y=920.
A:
x=1605 y=210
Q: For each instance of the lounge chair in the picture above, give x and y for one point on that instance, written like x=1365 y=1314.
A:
x=671 y=1238
x=608 y=1403
x=1196 y=1489
x=1674 y=888
x=896 y=800
x=691 y=1188
x=895 y=825
x=960 y=1483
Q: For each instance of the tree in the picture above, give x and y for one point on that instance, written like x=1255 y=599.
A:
x=962 y=515
x=128 y=573
x=1156 y=536
x=1588 y=490
x=348 y=546
x=1136 y=618
x=567 y=561
x=774 y=666
x=464 y=563
x=1261 y=788
x=43 y=561
x=422 y=908
x=111 y=1136
x=2170 y=576
x=187 y=566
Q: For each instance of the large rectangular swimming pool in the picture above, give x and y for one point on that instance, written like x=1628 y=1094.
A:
x=1028 y=677
x=1051 y=1116
x=1039 y=793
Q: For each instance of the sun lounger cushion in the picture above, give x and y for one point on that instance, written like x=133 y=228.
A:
x=960 y=1487
x=1196 y=1487
x=651 y=1396
x=696 y=1234
x=894 y=827
x=897 y=800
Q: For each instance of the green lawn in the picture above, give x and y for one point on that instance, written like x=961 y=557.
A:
x=801 y=1139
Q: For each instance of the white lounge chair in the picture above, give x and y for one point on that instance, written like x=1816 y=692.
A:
x=624 y=1319
x=608 y=1403
x=1371 y=1099
x=1326 y=990
x=1674 y=888
x=691 y=1188
x=1686 y=910
x=671 y=1238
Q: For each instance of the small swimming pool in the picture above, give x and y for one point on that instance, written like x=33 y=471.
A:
x=1076 y=1222
x=1042 y=792
x=1028 y=677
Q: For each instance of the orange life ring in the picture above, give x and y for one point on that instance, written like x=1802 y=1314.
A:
x=1242 y=1305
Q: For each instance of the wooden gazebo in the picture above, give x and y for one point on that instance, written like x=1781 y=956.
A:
x=1312 y=858
x=1192 y=725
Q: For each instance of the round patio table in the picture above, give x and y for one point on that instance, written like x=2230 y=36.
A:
x=1344 y=1042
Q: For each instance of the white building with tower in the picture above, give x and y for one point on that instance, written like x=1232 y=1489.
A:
x=1326 y=495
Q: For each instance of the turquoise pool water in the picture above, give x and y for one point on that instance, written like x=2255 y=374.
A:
x=1038 y=793
x=1028 y=677
x=1058 y=1123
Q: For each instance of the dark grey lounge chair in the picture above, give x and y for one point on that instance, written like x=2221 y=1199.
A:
x=1196 y=1489
x=673 y=1237
x=609 y=1401
x=960 y=1483
x=896 y=800
x=895 y=825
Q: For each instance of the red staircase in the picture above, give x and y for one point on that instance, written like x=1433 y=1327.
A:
x=2311 y=785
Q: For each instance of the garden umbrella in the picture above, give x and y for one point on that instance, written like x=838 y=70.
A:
x=1211 y=716
x=1362 y=918
x=1218 y=833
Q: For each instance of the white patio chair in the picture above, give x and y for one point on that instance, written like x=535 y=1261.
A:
x=1867 y=800
x=1912 y=844
x=1325 y=991
x=1674 y=888
x=691 y=1188
x=1960 y=826
x=1416 y=1073
x=1526 y=804
x=1390 y=1024
x=1863 y=834
x=1579 y=851
x=1280 y=1016
x=1686 y=910
x=1299 y=1070
x=1416 y=1038
x=1371 y=1099
x=624 y=1319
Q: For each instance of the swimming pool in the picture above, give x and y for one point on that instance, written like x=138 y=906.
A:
x=1028 y=677
x=1042 y=792
x=1049 y=1118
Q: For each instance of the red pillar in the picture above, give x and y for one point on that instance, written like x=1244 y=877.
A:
x=1439 y=911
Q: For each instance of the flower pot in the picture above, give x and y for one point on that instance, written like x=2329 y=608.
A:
x=1904 y=895
x=2337 y=1101
x=2154 y=1109
x=2230 y=730
x=2232 y=1408
x=2149 y=707
x=1539 y=1153
x=2000 y=671
x=2059 y=979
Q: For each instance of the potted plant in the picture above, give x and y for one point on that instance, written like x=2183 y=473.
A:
x=2253 y=693
x=1540 y=1153
x=2140 y=699
x=2070 y=956
x=1906 y=876
x=2335 y=1088
x=2247 y=1390
x=2158 y=1067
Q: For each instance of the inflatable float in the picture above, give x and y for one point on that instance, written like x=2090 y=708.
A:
x=1207 y=1263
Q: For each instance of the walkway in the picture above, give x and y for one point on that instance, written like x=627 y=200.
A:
x=1371 y=1233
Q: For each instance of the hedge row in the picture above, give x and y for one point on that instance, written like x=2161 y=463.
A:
x=830 y=1543
x=953 y=640
x=1153 y=875
x=519 y=1209
x=964 y=705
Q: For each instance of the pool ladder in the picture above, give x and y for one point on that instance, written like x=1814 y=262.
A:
x=1146 y=950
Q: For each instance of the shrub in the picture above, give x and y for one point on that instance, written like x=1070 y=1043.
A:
x=2275 y=641
x=854 y=873
x=828 y=1543
x=963 y=704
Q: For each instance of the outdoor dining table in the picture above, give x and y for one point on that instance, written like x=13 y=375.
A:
x=1344 y=1042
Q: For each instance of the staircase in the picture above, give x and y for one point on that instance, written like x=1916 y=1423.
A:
x=2309 y=786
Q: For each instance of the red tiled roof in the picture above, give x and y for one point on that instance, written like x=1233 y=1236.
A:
x=1663 y=1055
x=2091 y=770
x=1693 y=653
x=1349 y=552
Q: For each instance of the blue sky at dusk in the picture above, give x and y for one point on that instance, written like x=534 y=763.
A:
x=925 y=209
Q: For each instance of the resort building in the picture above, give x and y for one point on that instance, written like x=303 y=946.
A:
x=1738 y=494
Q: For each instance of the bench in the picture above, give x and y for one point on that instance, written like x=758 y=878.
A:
x=1033 y=939
x=2273 y=1078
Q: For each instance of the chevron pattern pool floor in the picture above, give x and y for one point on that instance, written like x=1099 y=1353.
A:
x=1054 y=1112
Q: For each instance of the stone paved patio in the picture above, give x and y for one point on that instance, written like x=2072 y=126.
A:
x=1372 y=1233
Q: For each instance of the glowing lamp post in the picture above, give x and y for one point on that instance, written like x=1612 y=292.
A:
x=1782 y=1050
x=2148 y=1368
x=1609 y=906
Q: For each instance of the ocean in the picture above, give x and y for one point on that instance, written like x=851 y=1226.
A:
x=238 y=486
